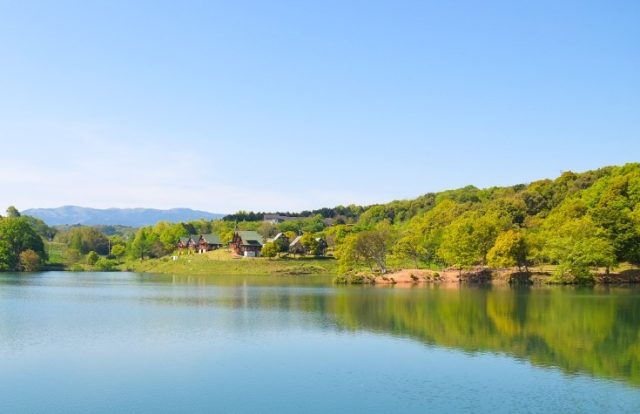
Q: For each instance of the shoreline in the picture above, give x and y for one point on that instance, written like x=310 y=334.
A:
x=486 y=276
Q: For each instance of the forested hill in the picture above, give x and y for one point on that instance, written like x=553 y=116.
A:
x=134 y=217
x=578 y=221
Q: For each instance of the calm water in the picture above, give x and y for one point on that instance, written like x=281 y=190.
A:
x=126 y=342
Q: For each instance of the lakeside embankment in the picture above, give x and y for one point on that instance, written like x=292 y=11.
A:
x=538 y=276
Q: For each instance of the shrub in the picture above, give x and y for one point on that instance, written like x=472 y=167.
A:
x=91 y=258
x=341 y=280
x=270 y=250
x=29 y=261
x=105 y=265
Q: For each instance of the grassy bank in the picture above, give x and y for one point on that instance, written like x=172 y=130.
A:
x=222 y=262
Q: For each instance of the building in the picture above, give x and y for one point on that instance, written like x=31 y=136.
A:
x=208 y=242
x=322 y=246
x=282 y=241
x=296 y=247
x=187 y=244
x=246 y=243
x=200 y=244
x=277 y=219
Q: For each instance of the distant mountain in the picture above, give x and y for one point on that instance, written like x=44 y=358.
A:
x=134 y=217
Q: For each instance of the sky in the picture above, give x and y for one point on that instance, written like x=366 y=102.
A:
x=292 y=105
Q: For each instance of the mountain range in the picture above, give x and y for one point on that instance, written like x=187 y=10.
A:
x=134 y=217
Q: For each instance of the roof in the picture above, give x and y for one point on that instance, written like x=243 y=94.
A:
x=184 y=240
x=250 y=238
x=279 y=236
x=211 y=238
x=295 y=241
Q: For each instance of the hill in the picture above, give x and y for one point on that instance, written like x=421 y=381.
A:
x=134 y=217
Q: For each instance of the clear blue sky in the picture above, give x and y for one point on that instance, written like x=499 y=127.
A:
x=280 y=105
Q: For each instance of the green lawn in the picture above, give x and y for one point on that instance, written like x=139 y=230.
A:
x=222 y=262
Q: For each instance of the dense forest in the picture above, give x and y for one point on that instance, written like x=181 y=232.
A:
x=577 y=222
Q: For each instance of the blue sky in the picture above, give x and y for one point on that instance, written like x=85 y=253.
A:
x=280 y=105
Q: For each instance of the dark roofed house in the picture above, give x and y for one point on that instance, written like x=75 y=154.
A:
x=282 y=241
x=246 y=243
x=296 y=246
x=208 y=242
x=187 y=243
x=322 y=246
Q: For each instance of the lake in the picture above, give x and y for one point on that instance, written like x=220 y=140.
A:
x=139 y=343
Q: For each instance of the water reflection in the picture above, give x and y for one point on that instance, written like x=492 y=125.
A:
x=594 y=331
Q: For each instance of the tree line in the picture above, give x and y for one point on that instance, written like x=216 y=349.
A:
x=576 y=222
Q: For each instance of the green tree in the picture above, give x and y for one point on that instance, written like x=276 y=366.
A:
x=91 y=258
x=310 y=244
x=369 y=247
x=270 y=249
x=577 y=246
x=12 y=212
x=141 y=244
x=86 y=239
x=510 y=249
x=118 y=251
x=410 y=246
x=16 y=236
x=468 y=239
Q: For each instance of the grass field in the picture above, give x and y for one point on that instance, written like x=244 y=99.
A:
x=222 y=262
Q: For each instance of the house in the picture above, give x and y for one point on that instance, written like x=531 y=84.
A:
x=277 y=219
x=208 y=242
x=282 y=241
x=296 y=247
x=246 y=243
x=201 y=244
x=322 y=246
x=187 y=243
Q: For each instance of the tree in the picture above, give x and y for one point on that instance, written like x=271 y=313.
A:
x=459 y=246
x=468 y=239
x=310 y=244
x=267 y=230
x=269 y=249
x=510 y=249
x=86 y=239
x=140 y=247
x=16 y=236
x=29 y=261
x=12 y=212
x=91 y=258
x=369 y=247
x=577 y=246
x=118 y=251
x=282 y=243
x=410 y=246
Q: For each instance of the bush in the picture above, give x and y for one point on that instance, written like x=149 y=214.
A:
x=341 y=280
x=105 y=265
x=29 y=261
x=270 y=250
x=357 y=280
x=91 y=258
x=567 y=274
